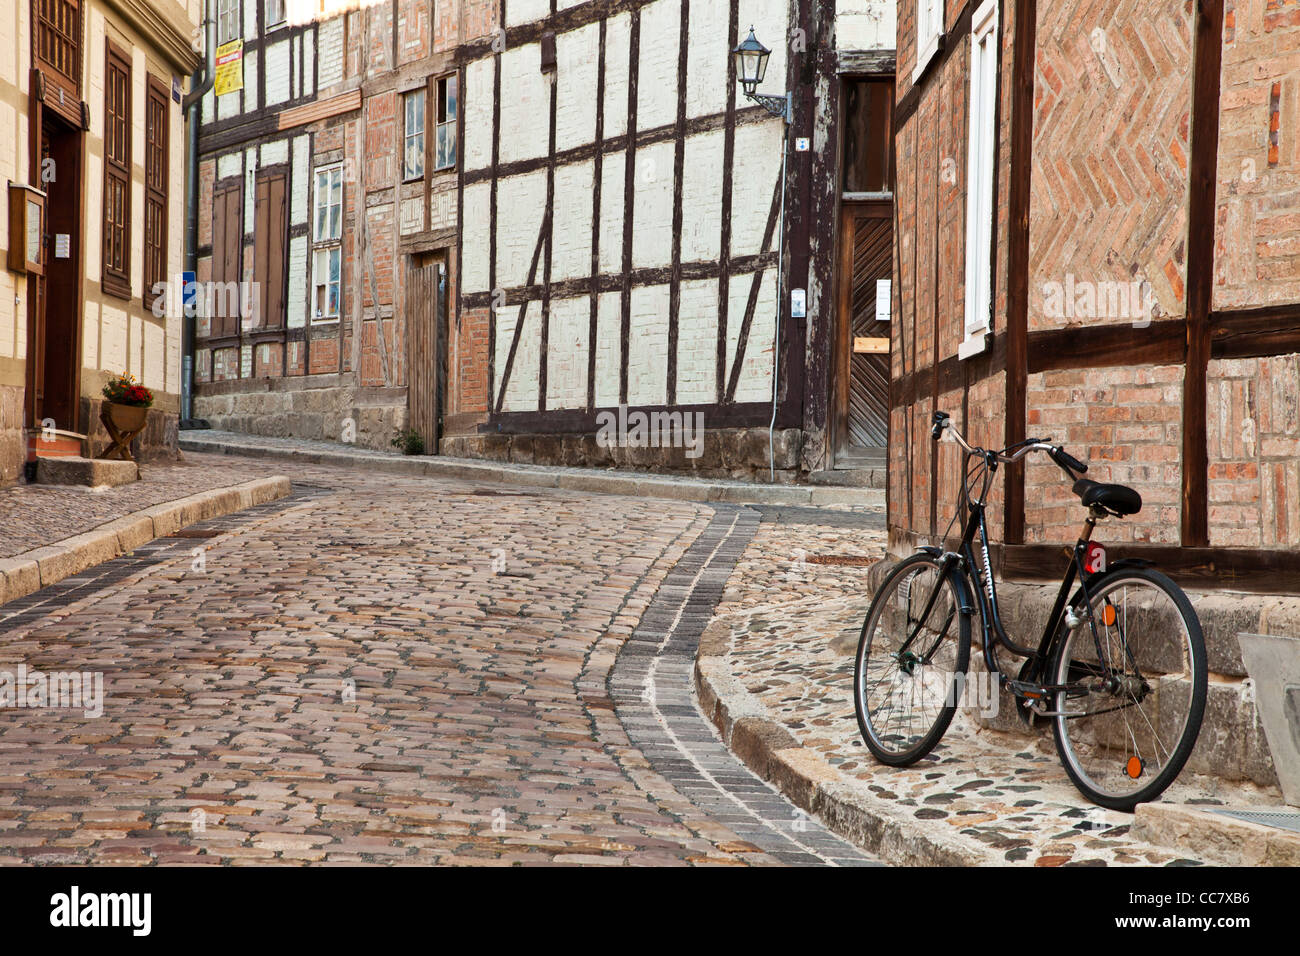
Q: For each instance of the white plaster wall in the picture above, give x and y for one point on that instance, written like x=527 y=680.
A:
x=657 y=64
x=612 y=180
x=566 y=356
x=652 y=233
x=755 y=382
x=707 y=54
x=577 y=77
x=647 y=363
x=329 y=40
x=475 y=238
x=697 y=343
x=526 y=11
x=702 y=198
x=571 y=257
x=277 y=72
x=525 y=104
x=521 y=206
x=866 y=24
x=617 y=38
x=757 y=166
x=609 y=348
x=476 y=151
x=521 y=390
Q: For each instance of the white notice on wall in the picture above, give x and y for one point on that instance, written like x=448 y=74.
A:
x=884 y=295
x=62 y=245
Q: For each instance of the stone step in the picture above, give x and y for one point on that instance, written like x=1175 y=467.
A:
x=54 y=444
x=90 y=472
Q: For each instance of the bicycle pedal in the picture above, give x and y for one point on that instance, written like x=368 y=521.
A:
x=1028 y=691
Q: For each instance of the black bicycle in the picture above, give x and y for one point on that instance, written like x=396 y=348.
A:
x=1120 y=668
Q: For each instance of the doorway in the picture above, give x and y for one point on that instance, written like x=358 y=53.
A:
x=426 y=317
x=860 y=391
x=54 y=299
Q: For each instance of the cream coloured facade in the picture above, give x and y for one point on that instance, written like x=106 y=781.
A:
x=63 y=333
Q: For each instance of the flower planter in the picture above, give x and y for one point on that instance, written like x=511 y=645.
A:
x=127 y=418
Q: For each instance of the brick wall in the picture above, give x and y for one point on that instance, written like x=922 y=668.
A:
x=471 y=362
x=1253 y=428
x=1259 y=157
x=1126 y=423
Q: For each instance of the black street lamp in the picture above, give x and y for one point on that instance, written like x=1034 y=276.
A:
x=751 y=66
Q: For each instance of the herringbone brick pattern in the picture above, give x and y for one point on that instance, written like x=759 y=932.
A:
x=1257 y=253
x=1111 y=149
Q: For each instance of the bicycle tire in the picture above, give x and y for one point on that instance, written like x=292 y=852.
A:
x=913 y=746
x=1090 y=737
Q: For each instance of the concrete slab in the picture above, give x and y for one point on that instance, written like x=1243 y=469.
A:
x=91 y=472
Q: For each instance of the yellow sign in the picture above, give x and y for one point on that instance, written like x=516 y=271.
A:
x=230 y=68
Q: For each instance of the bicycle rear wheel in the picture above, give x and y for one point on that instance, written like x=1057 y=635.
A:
x=911 y=662
x=1127 y=726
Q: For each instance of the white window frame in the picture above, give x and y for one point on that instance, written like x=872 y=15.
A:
x=929 y=28
x=413 y=137
x=982 y=141
x=283 y=10
x=446 y=113
x=327 y=242
x=228 y=21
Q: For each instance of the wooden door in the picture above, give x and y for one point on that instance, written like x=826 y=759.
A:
x=426 y=336
x=271 y=222
x=866 y=263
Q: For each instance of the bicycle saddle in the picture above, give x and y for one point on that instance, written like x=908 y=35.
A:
x=1119 y=500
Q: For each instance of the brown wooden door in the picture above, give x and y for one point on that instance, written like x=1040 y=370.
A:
x=271 y=223
x=426 y=310
x=866 y=260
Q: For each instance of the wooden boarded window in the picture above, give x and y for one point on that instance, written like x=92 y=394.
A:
x=58 y=40
x=222 y=300
x=117 y=173
x=271 y=223
x=868 y=165
x=156 y=174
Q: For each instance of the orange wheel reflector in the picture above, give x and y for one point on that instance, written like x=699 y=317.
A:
x=1108 y=615
x=1135 y=767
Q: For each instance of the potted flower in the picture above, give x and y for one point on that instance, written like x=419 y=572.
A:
x=127 y=402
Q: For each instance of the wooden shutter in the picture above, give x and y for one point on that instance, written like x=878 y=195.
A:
x=156 y=172
x=117 y=173
x=226 y=232
x=269 y=250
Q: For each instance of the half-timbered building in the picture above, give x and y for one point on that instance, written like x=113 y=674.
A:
x=632 y=251
x=328 y=176
x=1097 y=213
x=91 y=217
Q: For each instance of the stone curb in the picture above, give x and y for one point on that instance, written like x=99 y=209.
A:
x=540 y=476
x=1212 y=836
x=815 y=786
x=32 y=570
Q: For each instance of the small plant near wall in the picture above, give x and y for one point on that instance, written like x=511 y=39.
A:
x=409 y=441
x=125 y=390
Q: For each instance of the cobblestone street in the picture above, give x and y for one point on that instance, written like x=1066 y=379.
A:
x=389 y=669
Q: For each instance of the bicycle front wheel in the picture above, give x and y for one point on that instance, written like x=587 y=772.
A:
x=911 y=661
x=1135 y=692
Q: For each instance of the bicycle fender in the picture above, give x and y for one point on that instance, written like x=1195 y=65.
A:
x=967 y=608
x=1119 y=565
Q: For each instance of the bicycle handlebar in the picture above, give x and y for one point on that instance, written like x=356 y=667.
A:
x=943 y=422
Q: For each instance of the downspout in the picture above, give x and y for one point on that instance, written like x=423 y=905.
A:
x=786 y=119
x=200 y=82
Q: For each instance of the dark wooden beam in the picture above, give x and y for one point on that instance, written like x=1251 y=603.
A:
x=1200 y=266
x=1253 y=333
x=1098 y=346
x=1022 y=144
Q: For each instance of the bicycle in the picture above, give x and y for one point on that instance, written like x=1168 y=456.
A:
x=1120 y=669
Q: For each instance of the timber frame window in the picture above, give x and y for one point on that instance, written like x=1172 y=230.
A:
x=273 y=12
x=117 y=173
x=413 y=135
x=228 y=27
x=981 y=169
x=929 y=28
x=156 y=173
x=327 y=251
x=445 y=122
x=58 y=39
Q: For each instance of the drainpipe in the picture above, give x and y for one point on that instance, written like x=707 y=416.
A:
x=786 y=117
x=191 y=106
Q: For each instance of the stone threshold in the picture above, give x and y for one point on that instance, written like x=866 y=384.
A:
x=28 y=572
x=634 y=484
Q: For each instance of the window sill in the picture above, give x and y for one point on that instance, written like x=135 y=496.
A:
x=117 y=288
x=926 y=55
x=326 y=321
x=976 y=343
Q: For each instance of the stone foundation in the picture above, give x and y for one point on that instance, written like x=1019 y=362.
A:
x=1232 y=744
x=13 y=440
x=323 y=407
x=736 y=453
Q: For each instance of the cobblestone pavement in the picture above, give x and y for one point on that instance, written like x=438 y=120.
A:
x=794 y=609
x=32 y=516
x=388 y=670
